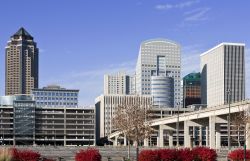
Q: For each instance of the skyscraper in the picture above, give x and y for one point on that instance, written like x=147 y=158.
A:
x=223 y=74
x=119 y=83
x=158 y=72
x=21 y=64
x=192 y=89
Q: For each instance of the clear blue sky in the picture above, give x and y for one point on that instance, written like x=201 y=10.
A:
x=80 y=40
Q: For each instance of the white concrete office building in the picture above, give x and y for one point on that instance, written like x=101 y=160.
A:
x=119 y=83
x=106 y=106
x=223 y=74
x=159 y=58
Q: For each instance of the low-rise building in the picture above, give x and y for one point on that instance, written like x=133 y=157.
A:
x=22 y=123
x=106 y=106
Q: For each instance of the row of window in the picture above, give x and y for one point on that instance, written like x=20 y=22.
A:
x=57 y=103
x=56 y=98
x=54 y=94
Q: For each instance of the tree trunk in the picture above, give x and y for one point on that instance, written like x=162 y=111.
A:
x=129 y=149
x=238 y=132
x=137 y=151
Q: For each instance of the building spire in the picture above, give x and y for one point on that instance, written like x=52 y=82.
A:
x=22 y=32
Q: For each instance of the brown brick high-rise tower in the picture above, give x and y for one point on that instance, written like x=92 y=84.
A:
x=21 y=64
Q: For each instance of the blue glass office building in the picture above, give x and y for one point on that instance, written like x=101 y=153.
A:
x=55 y=96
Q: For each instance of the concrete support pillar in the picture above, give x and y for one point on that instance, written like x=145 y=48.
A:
x=200 y=136
x=207 y=136
x=212 y=132
x=115 y=143
x=64 y=141
x=14 y=140
x=125 y=141
x=187 y=143
x=193 y=137
x=145 y=142
x=247 y=135
x=218 y=136
x=170 y=139
x=160 y=140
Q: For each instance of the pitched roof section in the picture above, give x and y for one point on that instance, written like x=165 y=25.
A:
x=22 y=32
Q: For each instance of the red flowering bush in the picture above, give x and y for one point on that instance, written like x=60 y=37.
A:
x=25 y=155
x=238 y=155
x=197 y=154
x=88 y=155
x=185 y=155
x=149 y=155
x=204 y=154
x=167 y=154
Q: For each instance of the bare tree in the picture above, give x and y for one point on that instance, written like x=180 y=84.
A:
x=131 y=119
x=239 y=122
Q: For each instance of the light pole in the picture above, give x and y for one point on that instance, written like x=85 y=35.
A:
x=229 y=119
x=177 y=126
x=54 y=137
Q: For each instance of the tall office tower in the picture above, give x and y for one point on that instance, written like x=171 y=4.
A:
x=21 y=64
x=55 y=96
x=119 y=83
x=158 y=72
x=192 y=89
x=223 y=74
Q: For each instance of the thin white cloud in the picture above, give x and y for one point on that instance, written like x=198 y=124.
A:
x=90 y=82
x=42 y=50
x=199 y=14
x=181 y=5
x=164 y=6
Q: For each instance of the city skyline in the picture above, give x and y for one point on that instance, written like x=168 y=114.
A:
x=90 y=49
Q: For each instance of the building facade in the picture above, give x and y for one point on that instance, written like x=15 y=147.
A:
x=223 y=74
x=192 y=89
x=119 y=83
x=106 y=106
x=159 y=57
x=22 y=123
x=21 y=64
x=55 y=96
x=162 y=91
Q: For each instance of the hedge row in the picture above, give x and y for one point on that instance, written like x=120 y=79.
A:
x=238 y=155
x=29 y=155
x=196 y=154
x=88 y=155
x=20 y=155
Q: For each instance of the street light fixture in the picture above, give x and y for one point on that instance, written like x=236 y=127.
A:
x=177 y=126
x=229 y=119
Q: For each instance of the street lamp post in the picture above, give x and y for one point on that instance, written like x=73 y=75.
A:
x=229 y=119
x=54 y=137
x=177 y=126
